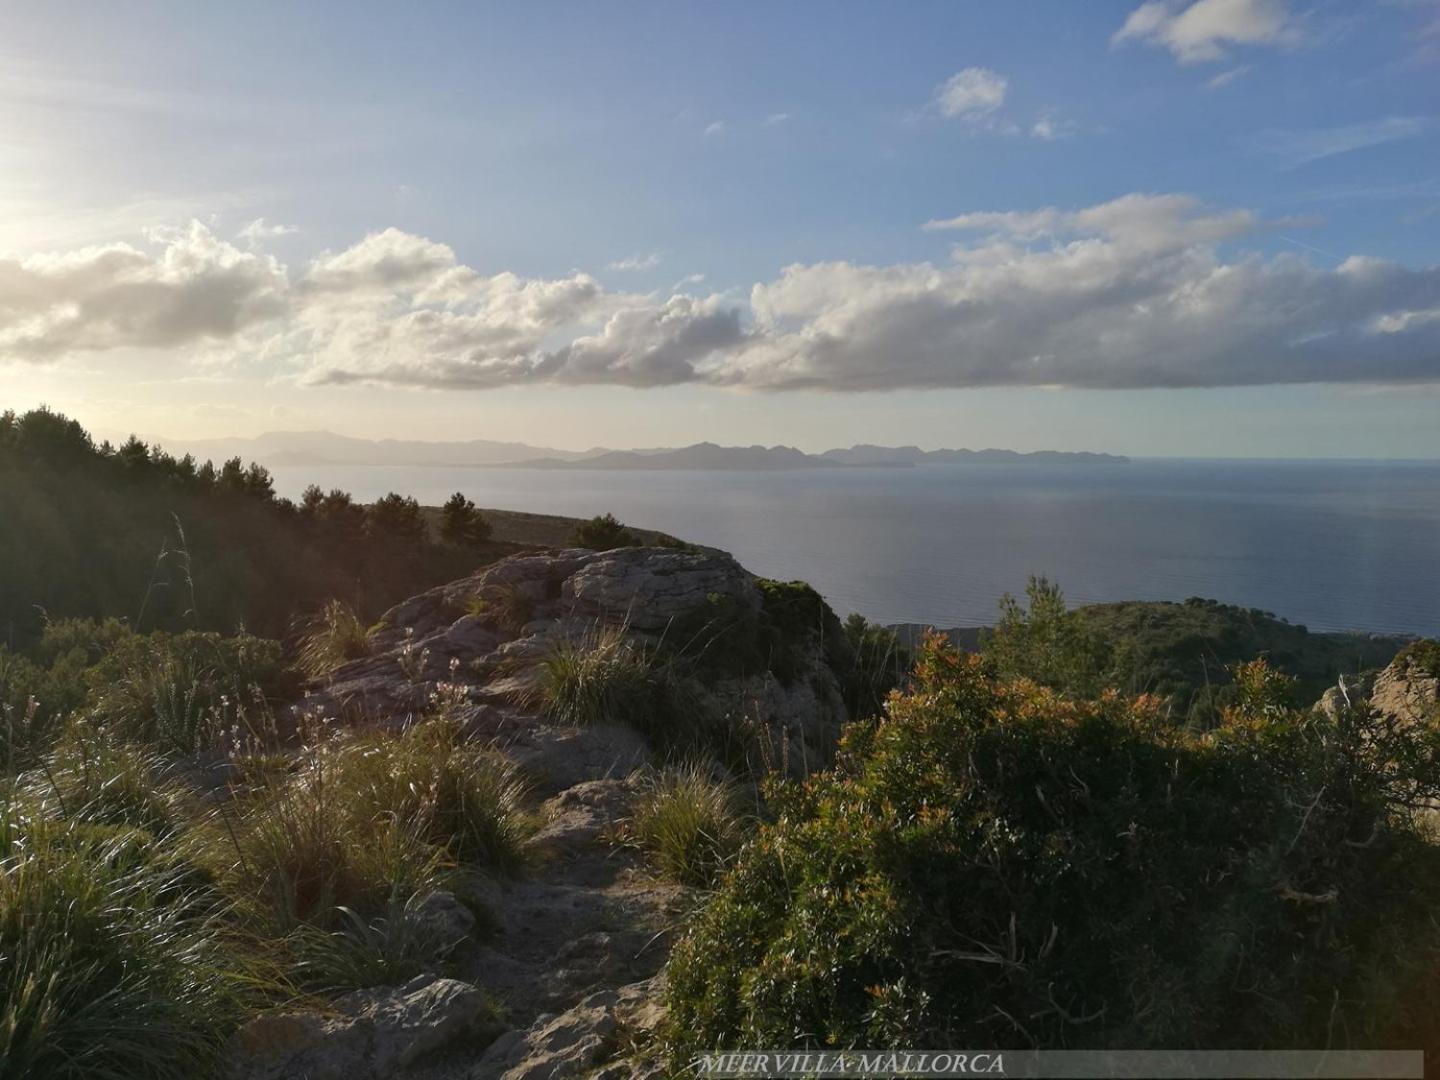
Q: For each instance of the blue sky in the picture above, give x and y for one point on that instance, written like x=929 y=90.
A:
x=571 y=223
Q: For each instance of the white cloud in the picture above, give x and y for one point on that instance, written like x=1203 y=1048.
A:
x=636 y=262
x=972 y=93
x=715 y=128
x=261 y=230
x=1050 y=127
x=1202 y=30
x=191 y=287
x=775 y=119
x=1134 y=292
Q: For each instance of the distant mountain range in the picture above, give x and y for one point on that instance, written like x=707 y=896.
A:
x=281 y=448
x=312 y=448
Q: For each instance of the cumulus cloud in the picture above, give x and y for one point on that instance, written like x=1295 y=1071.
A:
x=1131 y=293
x=971 y=93
x=1141 y=291
x=1201 y=30
x=189 y=287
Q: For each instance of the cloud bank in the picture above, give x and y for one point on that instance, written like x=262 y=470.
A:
x=1137 y=292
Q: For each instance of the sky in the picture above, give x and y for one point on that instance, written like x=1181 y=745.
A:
x=1200 y=228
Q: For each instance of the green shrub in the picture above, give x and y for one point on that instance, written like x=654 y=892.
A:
x=461 y=524
x=726 y=637
x=877 y=665
x=366 y=822
x=993 y=863
x=512 y=607
x=35 y=699
x=333 y=636
x=178 y=692
x=602 y=533
x=1421 y=656
x=1046 y=642
x=114 y=966
x=688 y=822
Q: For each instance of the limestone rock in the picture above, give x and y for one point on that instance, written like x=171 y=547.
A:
x=1409 y=689
x=578 y=1040
x=375 y=1034
x=581 y=817
x=491 y=631
x=444 y=919
x=560 y=758
x=567 y=1045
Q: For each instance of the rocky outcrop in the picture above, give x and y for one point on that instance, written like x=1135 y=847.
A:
x=373 y=1034
x=486 y=633
x=1407 y=691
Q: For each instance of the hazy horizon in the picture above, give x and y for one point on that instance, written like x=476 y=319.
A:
x=164 y=442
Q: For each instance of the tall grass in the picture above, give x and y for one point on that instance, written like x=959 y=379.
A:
x=173 y=692
x=367 y=821
x=114 y=964
x=333 y=636
x=386 y=950
x=689 y=823
x=92 y=777
x=462 y=798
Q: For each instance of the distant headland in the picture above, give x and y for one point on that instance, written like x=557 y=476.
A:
x=309 y=448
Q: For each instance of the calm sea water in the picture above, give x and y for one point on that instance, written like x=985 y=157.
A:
x=1333 y=545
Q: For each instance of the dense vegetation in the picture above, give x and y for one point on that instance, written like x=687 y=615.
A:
x=176 y=852
x=1184 y=652
x=995 y=863
x=95 y=530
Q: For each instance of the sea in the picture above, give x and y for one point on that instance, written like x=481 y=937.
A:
x=1332 y=545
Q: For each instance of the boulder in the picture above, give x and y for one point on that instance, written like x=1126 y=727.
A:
x=649 y=589
x=582 y=817
x=1406 y=691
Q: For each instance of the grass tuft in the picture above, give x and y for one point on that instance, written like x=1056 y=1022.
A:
x=605 y=676
x=689 y=823
x=335 y=635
